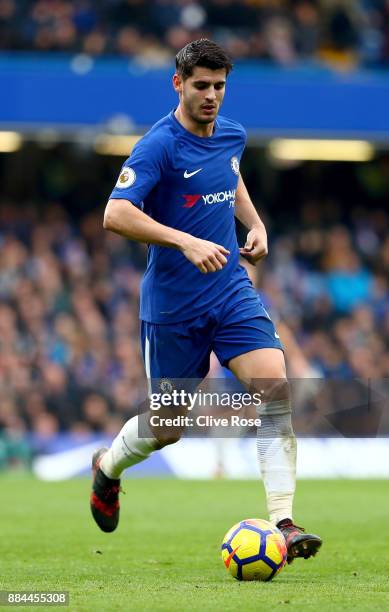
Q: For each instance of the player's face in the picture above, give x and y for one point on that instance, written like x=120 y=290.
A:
x=202 y=93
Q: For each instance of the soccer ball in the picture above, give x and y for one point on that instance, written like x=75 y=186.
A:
x=254 y=550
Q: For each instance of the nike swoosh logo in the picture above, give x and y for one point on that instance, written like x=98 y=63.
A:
x=189 y=174
x=276 y=335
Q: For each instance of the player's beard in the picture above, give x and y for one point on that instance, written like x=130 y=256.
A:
x=194 y=111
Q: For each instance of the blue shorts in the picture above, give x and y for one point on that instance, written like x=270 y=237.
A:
x=182 y=350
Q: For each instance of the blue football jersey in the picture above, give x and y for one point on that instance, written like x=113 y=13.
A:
x=188 y=183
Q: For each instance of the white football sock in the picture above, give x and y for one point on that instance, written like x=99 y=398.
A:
x=277 y=451
x=128 y=449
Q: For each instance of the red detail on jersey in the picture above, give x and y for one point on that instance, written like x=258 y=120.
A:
x=190 y=200
x=228 y=560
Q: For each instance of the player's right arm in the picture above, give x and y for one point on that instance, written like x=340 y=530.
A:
x=122 y=217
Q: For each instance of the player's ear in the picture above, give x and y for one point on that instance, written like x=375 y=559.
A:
x=177 y=83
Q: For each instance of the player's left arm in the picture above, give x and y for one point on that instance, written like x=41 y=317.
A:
x=256 y=242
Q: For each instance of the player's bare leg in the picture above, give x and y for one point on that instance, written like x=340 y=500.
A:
x=263 y=370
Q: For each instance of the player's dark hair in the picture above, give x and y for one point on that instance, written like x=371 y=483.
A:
x=201 y=52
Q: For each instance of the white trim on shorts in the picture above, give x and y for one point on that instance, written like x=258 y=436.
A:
x=147 y=365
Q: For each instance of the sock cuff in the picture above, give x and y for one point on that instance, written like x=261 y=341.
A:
x=278 y=407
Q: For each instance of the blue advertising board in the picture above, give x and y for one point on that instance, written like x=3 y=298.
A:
x=310 y=100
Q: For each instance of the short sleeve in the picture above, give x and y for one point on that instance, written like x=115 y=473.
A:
x=140 y=172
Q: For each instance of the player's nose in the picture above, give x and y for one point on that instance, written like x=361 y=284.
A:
x=211 y=94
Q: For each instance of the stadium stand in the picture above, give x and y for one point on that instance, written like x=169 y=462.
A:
x=69 y=351
x=344 y=33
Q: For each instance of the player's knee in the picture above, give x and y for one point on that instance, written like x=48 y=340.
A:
x=279 y=390
x=274 y=389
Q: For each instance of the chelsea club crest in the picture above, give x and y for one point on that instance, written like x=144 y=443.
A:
x=165 y=385
x=235 y=164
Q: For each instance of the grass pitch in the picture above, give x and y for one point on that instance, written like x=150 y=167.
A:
x=165 y=554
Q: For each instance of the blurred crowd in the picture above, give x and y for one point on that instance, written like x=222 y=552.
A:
x=321 y=284
x=69 y=349
x=344 y=33
x=68 y=324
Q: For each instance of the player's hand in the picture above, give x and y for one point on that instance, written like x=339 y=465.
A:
x=256 y=245
x=206 y=256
